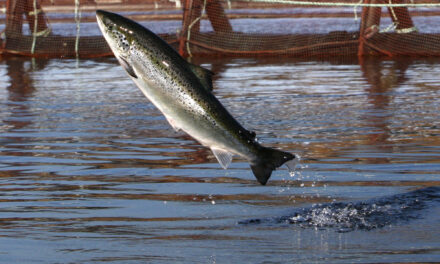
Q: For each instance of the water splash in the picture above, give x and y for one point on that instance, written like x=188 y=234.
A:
x=293 y=170
x=291 y=165
x=296 y=168
x=363 y=215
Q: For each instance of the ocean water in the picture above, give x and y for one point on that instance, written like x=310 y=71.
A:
x=91 y=172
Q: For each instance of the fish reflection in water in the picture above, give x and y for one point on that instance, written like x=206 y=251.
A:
x=364 y=215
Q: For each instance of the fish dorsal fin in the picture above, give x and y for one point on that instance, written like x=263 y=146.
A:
x=224 y=157
x=204 y=75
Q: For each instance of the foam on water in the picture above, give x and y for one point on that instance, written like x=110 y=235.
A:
x=364 y=215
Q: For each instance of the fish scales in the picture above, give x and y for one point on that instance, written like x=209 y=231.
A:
x=182 y=92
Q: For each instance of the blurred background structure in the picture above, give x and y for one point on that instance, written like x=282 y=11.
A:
x=67 y=28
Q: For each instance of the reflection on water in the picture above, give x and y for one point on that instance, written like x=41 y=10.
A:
x=19 y=88
x=90 y=171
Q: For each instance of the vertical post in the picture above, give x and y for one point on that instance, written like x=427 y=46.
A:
x=217 y=16
x=15 y=12
x=192 y=12
x=185 y=25
x=33 y=12
x=35 y=27
x=14 y=18
x=401 y=18
x=77 y=21
x=370 y=22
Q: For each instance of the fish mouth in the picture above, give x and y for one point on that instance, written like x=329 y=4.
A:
x=111 y=20
x=116 y=31
x=103 y=22
x=108 y=21
x=102 y=15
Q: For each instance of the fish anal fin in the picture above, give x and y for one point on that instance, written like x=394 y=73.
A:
x=224 y=157
x=204 y=75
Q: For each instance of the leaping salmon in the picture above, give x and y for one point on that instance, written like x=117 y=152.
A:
x=182 y=92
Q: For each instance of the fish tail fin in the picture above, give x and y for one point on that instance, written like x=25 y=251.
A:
x=268 y=160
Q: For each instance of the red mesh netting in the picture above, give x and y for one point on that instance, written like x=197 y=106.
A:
x=67 y=28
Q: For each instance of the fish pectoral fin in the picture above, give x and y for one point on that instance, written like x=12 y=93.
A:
x=204 y=75
x=172 y=123
x=224 y=157
x=127 y=67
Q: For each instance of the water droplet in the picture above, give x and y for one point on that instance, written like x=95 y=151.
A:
x=291 y=165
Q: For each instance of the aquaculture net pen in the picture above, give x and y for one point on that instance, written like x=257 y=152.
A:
x=67 y=28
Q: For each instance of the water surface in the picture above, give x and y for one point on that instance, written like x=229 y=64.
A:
x=90 y=171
